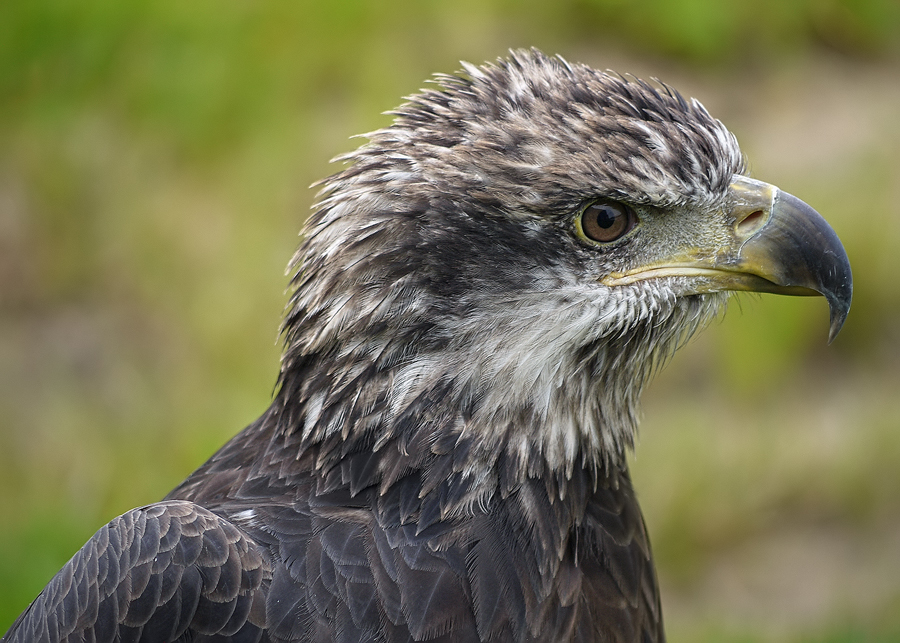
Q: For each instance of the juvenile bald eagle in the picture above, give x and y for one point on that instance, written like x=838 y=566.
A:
x=480 y=297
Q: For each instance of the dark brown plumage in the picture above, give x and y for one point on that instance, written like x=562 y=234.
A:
x=479 y=299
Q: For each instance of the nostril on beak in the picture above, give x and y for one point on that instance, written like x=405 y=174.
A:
x=749 y=225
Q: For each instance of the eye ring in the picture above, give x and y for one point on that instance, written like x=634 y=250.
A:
x=605 y=221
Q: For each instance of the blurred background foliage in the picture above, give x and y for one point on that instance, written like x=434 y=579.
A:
x=154 y=164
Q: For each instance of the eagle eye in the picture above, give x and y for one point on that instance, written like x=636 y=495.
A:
x=605 y=221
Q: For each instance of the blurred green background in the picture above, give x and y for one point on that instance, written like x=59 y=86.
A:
x=155 y=159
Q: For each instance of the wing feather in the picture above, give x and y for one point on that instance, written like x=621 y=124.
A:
x=152 y=574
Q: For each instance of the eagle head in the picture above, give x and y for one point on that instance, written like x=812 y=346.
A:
x=502 y=268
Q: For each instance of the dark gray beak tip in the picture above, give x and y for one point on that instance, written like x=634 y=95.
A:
x=839 y=305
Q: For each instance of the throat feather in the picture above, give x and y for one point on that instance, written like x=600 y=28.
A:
x=557 y=392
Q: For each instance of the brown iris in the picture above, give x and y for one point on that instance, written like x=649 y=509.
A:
x=605 y=221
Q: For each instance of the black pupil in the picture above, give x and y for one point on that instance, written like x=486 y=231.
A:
x=606 y=216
